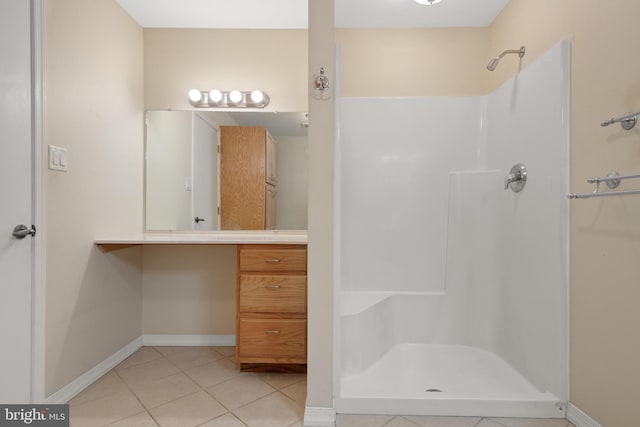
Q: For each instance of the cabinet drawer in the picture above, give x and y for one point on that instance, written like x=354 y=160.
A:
x=265 y=258
x=270 y=293
x=272 y=339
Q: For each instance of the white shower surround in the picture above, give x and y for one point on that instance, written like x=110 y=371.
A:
x=439 y=268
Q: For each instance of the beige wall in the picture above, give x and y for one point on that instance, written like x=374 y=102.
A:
x=292 y=171
x=168 y=156
x=177 y=60
x=412 y=62
x=605 y=233
x=189 y=290
x=93 y=107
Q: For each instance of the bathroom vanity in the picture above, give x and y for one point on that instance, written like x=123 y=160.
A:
x=271 y=290
x=272 y=305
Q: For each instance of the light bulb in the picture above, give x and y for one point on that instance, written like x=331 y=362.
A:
x=195 y=95
x=235 y=96
x=257 y=96
x=215 y=96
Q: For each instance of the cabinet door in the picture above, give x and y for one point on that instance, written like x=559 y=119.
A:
x=270 y=207
x=270 y=160
x=242 y=178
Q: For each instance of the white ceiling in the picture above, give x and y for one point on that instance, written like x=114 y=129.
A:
x=293 y=13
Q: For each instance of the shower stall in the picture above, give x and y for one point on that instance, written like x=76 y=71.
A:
x=451 y=288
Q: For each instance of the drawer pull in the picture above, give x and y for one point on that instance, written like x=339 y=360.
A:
x=272 y=260
x=272 y=286
x=272 y=332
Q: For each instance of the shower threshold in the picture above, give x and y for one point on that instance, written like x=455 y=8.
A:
x=451 y=380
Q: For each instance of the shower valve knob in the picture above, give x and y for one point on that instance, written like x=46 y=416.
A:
x=516 y=179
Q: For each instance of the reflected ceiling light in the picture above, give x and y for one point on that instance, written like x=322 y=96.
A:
x=428 y=2
x=235 y=99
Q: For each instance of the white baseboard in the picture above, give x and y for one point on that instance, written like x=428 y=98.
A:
x=319 y=417
x=69 y=391
x=579 y=418
x=189 y=340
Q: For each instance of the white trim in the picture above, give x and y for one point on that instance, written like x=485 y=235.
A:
x=319 y=417
x=189 y=340
x=579 y=418
x=38 y=262
x=69 y=391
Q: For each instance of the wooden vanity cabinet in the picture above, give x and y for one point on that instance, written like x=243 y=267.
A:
x=271 y=306
x=247 y=178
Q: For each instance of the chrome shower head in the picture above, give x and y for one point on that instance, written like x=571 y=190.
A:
x=494 y=61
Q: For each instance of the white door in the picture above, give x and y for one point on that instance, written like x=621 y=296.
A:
x=205 y=175
x=15 y=199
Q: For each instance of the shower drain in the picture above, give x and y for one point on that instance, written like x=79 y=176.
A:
x=433 y=390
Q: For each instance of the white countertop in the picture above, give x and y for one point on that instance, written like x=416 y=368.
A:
x=222 y=237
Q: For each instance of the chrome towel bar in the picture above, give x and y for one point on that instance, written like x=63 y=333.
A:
x=612 y=180
x=628 y=121
x=608 y=193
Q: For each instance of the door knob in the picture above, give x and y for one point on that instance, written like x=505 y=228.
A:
x=198 y=220
x=21 y=231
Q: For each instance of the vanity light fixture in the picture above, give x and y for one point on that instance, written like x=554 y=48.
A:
x=235 y=97
x=228 y=99
x=215 y=95
x=427 y=2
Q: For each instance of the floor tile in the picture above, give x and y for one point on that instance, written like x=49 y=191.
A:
x=280 y=380
x=239 y=391
x=362 y=420
x=143 y=355
x=400 y=422
x=530 y=422
x=190 y=357
x=227 y=420
x=188 y=411
x=488 y=423
x=148 y=371
x=107 y=385
x=226 y=351
x=296 y=391
x=424 y=421
x=163 y=390
x=274 y=410
x=213 y=373
x=142 y=419
x=106 y=410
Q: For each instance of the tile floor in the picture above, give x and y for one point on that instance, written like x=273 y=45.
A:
x=202 y=386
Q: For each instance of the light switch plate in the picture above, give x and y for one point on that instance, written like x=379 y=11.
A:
x=58 y=159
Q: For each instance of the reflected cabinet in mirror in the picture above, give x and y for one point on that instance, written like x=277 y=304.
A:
x=225 y=171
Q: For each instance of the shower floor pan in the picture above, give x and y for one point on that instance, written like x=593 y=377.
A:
x=448 y=380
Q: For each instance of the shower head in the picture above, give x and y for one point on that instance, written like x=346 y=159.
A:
x=494 y=61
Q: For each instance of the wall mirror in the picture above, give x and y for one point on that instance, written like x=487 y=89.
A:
x=183 y=184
